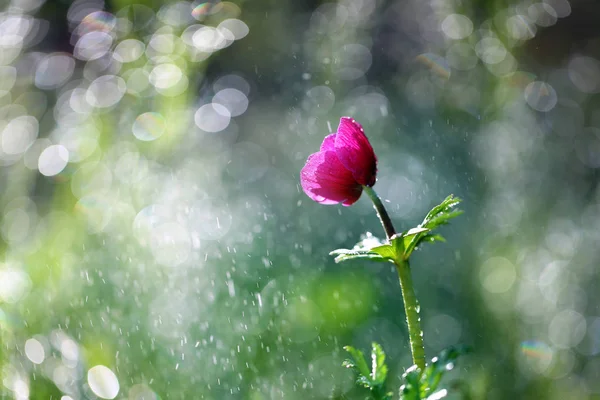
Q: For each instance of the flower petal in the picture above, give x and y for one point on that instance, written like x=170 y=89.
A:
x=325 y=180
x=355 y=152
x=328 y=143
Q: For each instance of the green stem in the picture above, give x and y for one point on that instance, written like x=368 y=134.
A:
x=381 y=212
x=412 y=309
x=411 y=304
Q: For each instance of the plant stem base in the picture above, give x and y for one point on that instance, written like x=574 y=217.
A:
x=413 y=319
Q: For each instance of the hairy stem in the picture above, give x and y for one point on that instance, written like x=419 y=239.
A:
x=412 y=309
x=411 y=304
x=381 y=212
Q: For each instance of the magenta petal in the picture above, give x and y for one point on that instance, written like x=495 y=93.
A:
x=328 y=143
x=355 y=152
x=325 y=180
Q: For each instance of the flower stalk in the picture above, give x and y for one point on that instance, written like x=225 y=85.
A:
x=384 y=217
x=411 y=304
x=412 y=309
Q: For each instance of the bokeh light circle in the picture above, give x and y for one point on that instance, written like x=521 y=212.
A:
x=236 y=28
x=34 y=350
x=19 y=134
x=96 y=21
x=497 y=275
x=520 y=27
x=318 y=100
x=129 y=50
x=54 y=71
x=163 y=76
x=490 y=50
x=148 y=126
x=232 y=81
x=584 y=72
x=540 y=96
x=53 y=160
x=234 y=100
x=212 y=117
x=209 y=39
x=14 y=284
x=457 y=26
x=567 y=338
x=353 y=61
x=105 y=91
x=543 y=14
x=93 y=45
x=103 y=382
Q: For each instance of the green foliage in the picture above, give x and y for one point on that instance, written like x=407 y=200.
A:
x=424 y=385
x=438 y=216
x=351 y=254
x=373 y=379
x=363 y=249
x=416 y=385
x=403 y=244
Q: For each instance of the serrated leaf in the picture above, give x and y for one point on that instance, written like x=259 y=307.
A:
x=378 y=368
x=419 y=385
x=441 y=213
x=348 y=254
x=434 y=372
x=358 y=361
x=433 y=238
x=410 y=390
x=364 y=381
x=448 y=203
x=437 y=216
x=443 y=218
x=374 y=378
x=362 y=249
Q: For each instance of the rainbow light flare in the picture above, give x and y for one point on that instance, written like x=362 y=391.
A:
x=435 y=63
x=202 y=10
x=536 y=349
x=101 y=21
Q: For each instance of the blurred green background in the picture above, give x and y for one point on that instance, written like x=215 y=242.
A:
x=156 y=242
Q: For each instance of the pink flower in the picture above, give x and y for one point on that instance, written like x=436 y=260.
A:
x=345 y=163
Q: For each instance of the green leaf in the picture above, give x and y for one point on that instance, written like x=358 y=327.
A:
x=378 y=368
x=410 y=235
x=438 y=216
x=365 y=248
x=438 y=367
x=397 y=242
x=414 y=231
x=358 y=361
x=433 y=238
x=386 y=251
x=373 y=379
x=348 y=254
x=410 y=389
x=416 y=384
x=424 y=385
x=392 y=251
x=442 y=213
